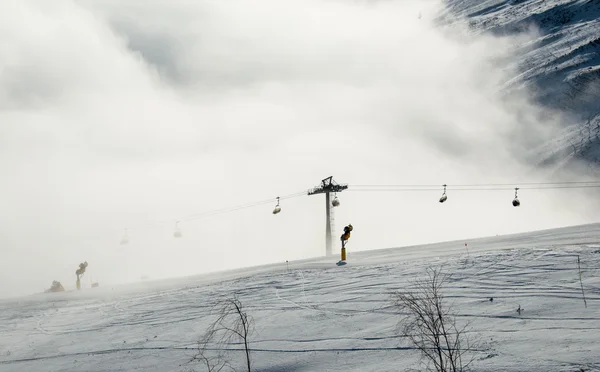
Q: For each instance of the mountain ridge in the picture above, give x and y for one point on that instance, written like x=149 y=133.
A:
x=561 y=68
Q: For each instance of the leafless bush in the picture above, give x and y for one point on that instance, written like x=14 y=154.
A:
x=430 y=327
x=213 y=360
x=232 y=325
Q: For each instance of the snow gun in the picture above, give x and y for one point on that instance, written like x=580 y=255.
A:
x=79 y=273
x=344 y=238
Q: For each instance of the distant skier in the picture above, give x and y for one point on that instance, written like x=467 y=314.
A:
x=346 y=235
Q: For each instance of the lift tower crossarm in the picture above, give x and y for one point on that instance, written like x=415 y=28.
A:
x=328 y=185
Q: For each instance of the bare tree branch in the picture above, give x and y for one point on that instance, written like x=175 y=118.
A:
x=430 y=327
x=232 y=325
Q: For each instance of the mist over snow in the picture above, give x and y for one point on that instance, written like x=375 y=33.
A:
x=136 y=114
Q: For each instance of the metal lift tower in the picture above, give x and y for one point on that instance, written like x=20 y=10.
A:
x=328 y=185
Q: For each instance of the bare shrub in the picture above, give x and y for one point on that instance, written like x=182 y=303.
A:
x=431 y=328
x=232 y=325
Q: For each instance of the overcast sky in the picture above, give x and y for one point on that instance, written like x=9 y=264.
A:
x=137 y=114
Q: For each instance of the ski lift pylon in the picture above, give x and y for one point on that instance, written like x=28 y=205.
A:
x=444 y=197
x=124 y=239
x=277 y=207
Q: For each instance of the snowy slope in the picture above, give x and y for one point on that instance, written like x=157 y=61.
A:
x=562 y=65
x=319 y=317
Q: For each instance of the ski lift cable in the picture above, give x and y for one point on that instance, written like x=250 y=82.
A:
x=219 y=211
x=239 y=207
x=429 y=188
x=413 y=187
x=405 y=188
x=482 y=184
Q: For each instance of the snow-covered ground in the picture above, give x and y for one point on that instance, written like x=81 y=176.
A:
x=316 y=316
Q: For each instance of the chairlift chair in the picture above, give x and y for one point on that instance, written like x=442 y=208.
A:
x=277 y=207
x=177 y=232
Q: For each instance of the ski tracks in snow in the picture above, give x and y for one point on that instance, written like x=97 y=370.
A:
x=306 y=305
x=333 y=311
